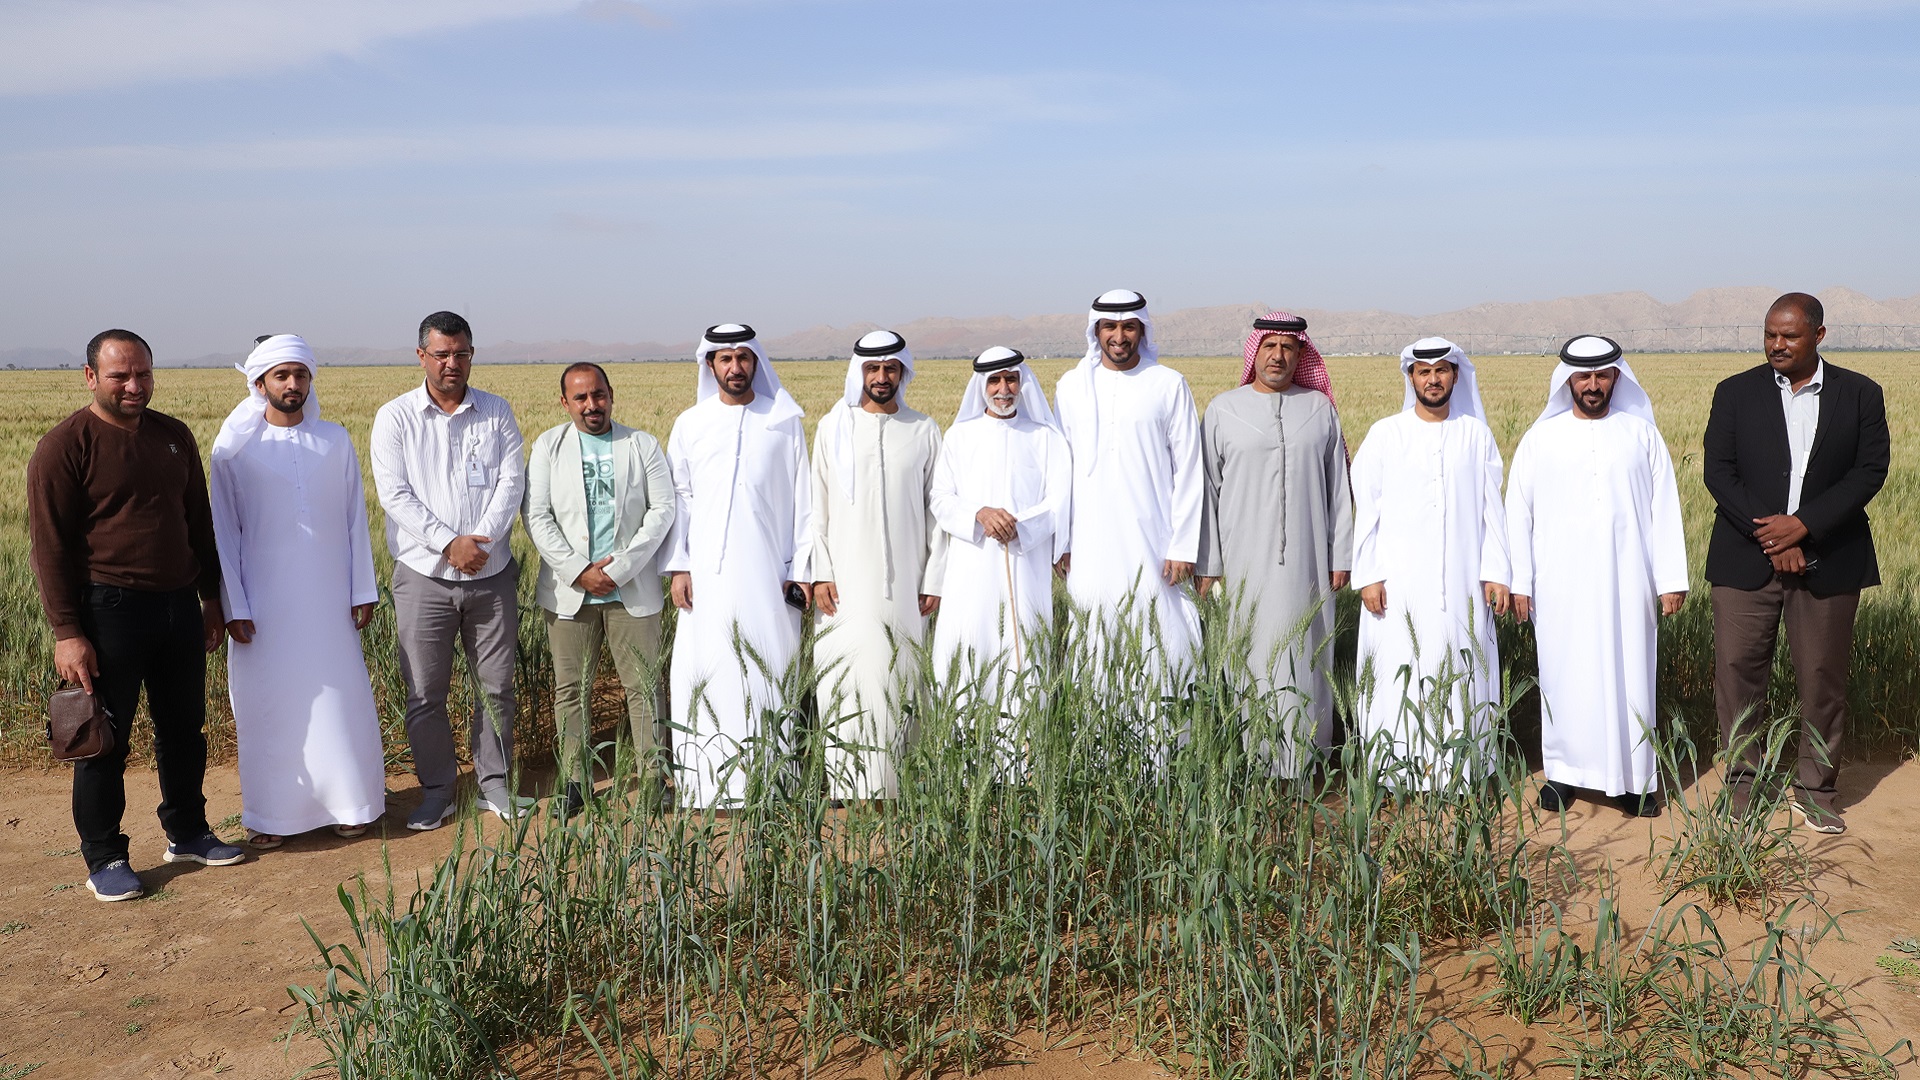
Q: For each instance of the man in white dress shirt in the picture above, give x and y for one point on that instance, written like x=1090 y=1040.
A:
x=599 y=504
x=447 y=465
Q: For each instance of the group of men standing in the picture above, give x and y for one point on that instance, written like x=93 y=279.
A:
x=1125 y=493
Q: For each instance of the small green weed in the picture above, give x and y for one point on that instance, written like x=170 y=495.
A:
x=11 y=928
x=1898 y=966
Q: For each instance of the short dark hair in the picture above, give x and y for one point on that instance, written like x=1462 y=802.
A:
x=447 y=323
x=1808 y=304
x=104 y=336
x=583 y=365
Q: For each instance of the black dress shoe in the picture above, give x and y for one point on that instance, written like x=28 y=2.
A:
x=1647 y=805
x=576 y=801
x=1555 y=796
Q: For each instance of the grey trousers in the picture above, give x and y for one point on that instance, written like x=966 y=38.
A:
x=635 y=644
x=1746 y=625
x=483 y=617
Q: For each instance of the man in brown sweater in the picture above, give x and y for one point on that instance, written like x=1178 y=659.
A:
x=124 y=555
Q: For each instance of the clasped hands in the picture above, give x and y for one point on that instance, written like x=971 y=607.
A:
x=1780 y=536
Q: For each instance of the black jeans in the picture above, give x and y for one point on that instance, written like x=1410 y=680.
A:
x=157 y=639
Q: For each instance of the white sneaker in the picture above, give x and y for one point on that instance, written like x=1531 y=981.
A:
x=1818 y=818
x=504 y=806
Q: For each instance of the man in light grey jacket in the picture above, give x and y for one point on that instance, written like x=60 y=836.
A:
x=599 y=505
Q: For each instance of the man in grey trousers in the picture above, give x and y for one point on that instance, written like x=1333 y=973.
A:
x=599 y=504
x=446 y=463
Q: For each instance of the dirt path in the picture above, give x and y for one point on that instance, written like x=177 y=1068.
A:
x=191 y=981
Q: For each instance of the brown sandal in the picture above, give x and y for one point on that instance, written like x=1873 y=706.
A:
x=349 y=832
x=260 y=841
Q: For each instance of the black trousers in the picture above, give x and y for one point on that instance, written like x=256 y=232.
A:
x=159 y=640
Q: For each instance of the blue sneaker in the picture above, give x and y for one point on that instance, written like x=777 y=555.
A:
x=115 y=881
x=207 y=850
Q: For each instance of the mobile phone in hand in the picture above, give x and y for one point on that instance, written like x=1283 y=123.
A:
x=796 y=599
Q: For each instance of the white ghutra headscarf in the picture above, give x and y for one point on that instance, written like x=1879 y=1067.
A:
x=1466 y=388
x=248 y=416
x=1589 y=352
x=1033 y=399
x=766 y=381
x=1118 y=305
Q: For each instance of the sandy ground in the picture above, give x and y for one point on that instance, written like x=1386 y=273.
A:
x=192 y=980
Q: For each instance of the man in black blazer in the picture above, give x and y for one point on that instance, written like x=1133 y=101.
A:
x=1795 y=449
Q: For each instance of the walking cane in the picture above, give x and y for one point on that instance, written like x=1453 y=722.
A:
x=1013 y=607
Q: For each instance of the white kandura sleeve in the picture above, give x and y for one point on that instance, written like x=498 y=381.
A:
x=1669 y=529
x=1494 y=565
x=1520 y=517
x=933 y=577
x=676 y=558
x=1367 y=568
x=800 y=562
x=818 y=483
x=950 y=511
x=1189 y=482
x=365 y=588
x=227 y=539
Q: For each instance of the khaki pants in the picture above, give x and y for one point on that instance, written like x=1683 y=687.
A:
x=635 y=644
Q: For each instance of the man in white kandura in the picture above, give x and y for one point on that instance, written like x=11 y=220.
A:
x=296 y=579
x=1278 y=530
x=1002 y=493
x=738 y=556
x=599 y=504
x=1593 y=521
x=878 y=559
x=1138 y=486
x=1430 y=561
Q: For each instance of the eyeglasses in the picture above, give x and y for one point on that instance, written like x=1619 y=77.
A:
x=464 y=355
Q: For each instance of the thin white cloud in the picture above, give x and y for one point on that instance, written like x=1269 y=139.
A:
x=61 y=46
x=516 y=146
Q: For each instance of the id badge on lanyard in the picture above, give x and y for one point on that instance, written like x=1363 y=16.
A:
x=476 y=474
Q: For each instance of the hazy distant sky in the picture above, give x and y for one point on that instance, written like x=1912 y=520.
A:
x=206 y=170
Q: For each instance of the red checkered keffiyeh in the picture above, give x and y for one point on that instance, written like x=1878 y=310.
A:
x=1311 y=371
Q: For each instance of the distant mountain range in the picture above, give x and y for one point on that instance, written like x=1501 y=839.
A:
x=1710 y=320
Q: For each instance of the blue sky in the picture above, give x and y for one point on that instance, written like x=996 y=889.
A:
x=206 y=170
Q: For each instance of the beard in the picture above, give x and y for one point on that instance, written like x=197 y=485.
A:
x=1434 y=403
x=289 y=403
x=881 y=393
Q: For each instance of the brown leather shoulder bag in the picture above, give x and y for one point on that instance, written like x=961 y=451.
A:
x=78 y=725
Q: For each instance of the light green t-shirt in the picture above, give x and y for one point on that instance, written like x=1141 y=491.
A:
x=596 y=471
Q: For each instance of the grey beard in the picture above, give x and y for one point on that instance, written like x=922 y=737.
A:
x=1012 y=411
